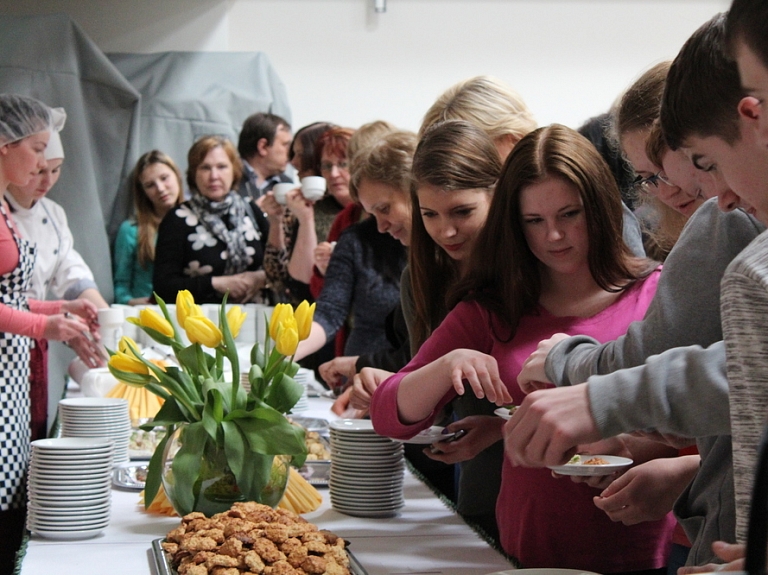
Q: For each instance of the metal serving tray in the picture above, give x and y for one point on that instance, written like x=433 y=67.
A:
x=163 y=566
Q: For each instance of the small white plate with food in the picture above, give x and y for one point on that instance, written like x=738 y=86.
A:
x=589 y=465
x=506 y=411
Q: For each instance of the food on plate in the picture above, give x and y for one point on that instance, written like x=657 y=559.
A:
x=300 y=496
x=254 y=538
x=316 y=448
x=144 y=442
x=579 y=460
x=596 y=461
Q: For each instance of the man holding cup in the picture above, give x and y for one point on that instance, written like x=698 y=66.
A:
x=263 y=146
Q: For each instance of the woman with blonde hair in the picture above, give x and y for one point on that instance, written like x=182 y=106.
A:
x=212 y=244
x=156 y=186
x=487 y=103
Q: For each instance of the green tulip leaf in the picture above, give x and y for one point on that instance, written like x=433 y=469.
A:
x=170 y=414
x=254 y=475
x=283 y=393
x=186 y=466
x=155 y=469
x=234 y=447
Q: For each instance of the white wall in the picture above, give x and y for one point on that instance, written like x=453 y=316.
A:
x=341 y=62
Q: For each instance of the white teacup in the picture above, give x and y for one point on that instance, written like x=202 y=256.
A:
x=97 y=382
x=281 y=191
x=313 y=187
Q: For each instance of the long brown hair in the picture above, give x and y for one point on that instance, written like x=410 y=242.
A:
x=146 y=219
x=503 y=273
x=452 y=155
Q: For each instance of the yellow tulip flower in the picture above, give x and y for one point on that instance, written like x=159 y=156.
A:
x=304 y=314
x=126 y=345
x=202 y=330
x=128 y=362
x=153 y=320
x=184 y=302
x=287 y=338
x=235 y=319
x=281 y=312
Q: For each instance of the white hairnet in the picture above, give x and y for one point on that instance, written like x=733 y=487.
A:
x=55 y=149
x=21 y=116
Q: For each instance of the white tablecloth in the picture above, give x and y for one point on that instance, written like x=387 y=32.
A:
x=425 y=537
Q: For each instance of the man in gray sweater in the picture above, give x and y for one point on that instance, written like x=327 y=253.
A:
x=682 y=391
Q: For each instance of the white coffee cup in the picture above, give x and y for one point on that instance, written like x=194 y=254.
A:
x=97 y=382
x=281 y=191
x=313 y=187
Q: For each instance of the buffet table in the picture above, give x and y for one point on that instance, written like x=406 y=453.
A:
x=425 y=537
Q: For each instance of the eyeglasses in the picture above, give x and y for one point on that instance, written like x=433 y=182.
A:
x=646 y=183
x=328 y=166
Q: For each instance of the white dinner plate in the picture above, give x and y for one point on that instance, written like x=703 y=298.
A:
x=614 y=464
x=504 y=412
x=79 y=445
x=428 y=436
x=353 y=426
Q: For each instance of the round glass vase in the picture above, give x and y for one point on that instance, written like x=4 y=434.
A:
x=215 y=488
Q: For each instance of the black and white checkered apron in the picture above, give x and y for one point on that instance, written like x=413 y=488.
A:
x=14 y=380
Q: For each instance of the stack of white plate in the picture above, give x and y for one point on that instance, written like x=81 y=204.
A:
x=305 y=377
x=100 y=417
x=366 y=470
x=68 y=487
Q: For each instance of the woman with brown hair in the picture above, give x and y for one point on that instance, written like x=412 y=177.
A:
x=550 y=258
x=156 y=187
x=212 y=244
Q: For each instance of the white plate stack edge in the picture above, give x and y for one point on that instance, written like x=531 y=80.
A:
x=69 y=487
x=366 y=470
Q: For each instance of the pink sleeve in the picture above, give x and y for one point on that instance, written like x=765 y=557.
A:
x=47 y=307
x=22 y=322
x=465 y=327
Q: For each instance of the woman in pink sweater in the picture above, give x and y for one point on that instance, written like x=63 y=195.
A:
x=25 y=126
x=550 y=258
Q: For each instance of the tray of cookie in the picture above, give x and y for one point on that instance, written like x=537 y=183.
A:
x=252 y=538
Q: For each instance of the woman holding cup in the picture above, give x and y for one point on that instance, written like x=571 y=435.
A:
x=289 y=254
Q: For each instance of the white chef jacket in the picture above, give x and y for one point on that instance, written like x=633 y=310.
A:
x=59 y=270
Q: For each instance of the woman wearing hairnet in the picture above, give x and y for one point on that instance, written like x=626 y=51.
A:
x=25 y=127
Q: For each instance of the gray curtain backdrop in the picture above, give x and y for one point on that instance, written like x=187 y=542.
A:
x=186 y=95
x=118 y=107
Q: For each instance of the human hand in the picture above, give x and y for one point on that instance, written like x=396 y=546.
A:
x=533 y=376
x=481 y=431
x=323 y=253
x=242 y=287
x=270 y=207
x=480 y=370
x=343 y=408
x=339 y=370
x=138 y=301
x=302 y=208
x=549 y=425
x=732 y=553
x=87 y=310
x=364 y=384
x=63 y=327
x=92 y=354
x=645 y=492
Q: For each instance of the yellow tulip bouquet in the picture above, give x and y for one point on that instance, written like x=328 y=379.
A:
x=249 y=427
